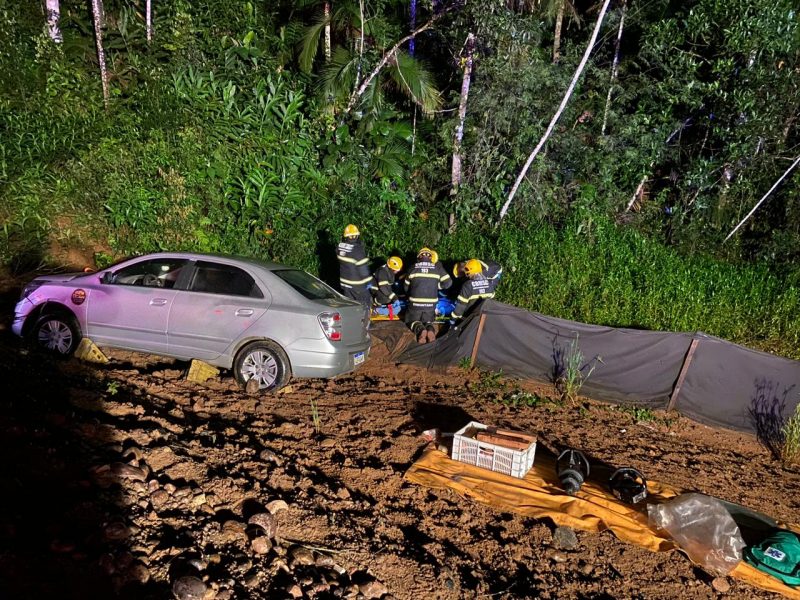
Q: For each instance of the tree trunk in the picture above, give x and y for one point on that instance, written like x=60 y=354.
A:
x=462 y=112
x=760 y=202
x=560 y=110
x=327 y=11
x=614 y=66
x=455 y=178
x=97 y=11
x=557 y=33
x=360 y=43
x=149 y=20
x=53 y=13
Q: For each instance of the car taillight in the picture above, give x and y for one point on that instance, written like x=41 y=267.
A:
x=331 y=324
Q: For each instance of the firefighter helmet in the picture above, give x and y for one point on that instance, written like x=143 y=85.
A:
x=458 y=270
x=395 y=263
x=434 y=256
x=425 y=252
x=473 y=267
x=351 y=231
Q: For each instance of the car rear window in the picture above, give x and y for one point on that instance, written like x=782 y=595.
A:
x=310 y=287
x=214 y=278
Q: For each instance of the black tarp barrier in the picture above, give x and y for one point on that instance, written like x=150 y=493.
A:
x=628 y=365
x=724 y=384
x=737 y=387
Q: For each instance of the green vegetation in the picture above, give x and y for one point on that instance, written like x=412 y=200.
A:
x=519 y=399
x=230 y=133
x=490 y=383
x=315 y=417
x=790 y=442
x=572 y=371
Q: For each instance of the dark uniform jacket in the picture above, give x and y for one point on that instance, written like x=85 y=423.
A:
x=353 y=265
x=473 y=290
x=423 y=283
x=382 y=283
x=492 y=271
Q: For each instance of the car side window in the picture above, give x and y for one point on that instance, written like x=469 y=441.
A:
x=162 y=273
x=214 y=278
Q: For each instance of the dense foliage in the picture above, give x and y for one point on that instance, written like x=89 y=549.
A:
x=230 y=132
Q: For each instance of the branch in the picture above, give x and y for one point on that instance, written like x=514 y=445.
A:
x=365 y=84
x=560 y=110
x=782 y=177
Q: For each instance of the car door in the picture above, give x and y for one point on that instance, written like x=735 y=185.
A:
x=220 y=304
x=130 y=308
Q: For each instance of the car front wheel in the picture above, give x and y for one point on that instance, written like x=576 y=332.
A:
x=264 y=362
x=57 y=333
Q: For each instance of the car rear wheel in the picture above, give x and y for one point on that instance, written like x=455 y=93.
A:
x=57 y=333
x=264 y=362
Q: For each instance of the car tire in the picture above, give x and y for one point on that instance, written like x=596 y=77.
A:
x=265 y=360
x=57 y=333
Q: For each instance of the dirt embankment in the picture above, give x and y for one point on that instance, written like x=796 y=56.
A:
x=124 y=480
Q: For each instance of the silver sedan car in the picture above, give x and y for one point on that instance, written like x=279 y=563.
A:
x=264 y=321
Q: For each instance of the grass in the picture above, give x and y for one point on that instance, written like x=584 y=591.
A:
x=571 y=371
x=790 y=443
x=315 y=418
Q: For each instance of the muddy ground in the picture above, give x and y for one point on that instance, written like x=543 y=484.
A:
x=126 y=481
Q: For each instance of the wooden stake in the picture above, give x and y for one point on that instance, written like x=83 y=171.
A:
x=477 y=341
x=686 y=362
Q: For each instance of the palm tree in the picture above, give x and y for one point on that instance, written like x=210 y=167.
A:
x=341 y=76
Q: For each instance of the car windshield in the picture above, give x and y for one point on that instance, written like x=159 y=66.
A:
x=311 y=287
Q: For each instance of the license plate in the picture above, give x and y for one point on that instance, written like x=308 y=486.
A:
x=358 y=358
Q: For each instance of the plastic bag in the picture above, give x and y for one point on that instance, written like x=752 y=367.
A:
x=703 y=528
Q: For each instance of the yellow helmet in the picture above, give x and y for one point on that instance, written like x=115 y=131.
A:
x=434 y=256
x=458 y=270
x=473 y=267
x=395 y=263
x=351 y=231
x=427 y=251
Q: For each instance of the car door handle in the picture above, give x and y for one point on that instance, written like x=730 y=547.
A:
x=158 y=302
x=244 y=312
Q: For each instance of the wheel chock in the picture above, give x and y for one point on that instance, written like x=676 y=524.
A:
x=88 y=351
x=200 y=371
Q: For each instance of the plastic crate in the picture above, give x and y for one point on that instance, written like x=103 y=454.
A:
x=469 y=450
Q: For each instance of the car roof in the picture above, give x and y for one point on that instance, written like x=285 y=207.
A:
x=263 y=264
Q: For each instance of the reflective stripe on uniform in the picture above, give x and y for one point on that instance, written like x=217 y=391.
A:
x=475 y=297
x=428 y=275
x=358 y=282
x=352 y=261
x=423 y=300
x=380 y=283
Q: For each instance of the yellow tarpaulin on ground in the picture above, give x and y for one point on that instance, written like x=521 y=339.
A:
x=538 y=495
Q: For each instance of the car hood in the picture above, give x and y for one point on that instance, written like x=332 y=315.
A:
x=58 y=277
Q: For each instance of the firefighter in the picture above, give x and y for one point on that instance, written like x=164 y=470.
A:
x=423 y=283
x=354 y=276
x=491 y=271
x=476 y=288
x=383 y=284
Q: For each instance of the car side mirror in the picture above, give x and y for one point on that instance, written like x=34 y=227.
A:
x=107 y=277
